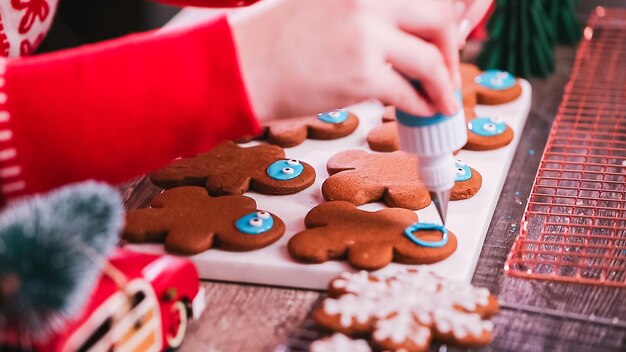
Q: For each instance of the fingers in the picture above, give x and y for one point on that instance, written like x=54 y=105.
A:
x=435 y=22
x=391 y=88
x=422 y=61
x=473 y=13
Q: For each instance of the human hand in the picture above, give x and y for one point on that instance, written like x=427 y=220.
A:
x=305 y=56
x=469 y=14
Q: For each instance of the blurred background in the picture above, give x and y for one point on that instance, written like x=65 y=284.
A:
x=79 y=21
x=87 y=21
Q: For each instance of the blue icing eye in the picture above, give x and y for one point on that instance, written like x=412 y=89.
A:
x=422 y=226
x=495 y=79
x=463 y=172
x=487 y=126
x=284 y=170
x=255 y=223
x=333 y=116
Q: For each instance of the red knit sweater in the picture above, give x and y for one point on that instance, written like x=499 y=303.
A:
x=117 y=109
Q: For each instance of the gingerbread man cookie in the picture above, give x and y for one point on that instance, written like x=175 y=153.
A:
x=406 y=311
x=333 y=124
x=490 y=87
x=189 y=221
x=231 y=169
x=369 y=240
x=361 y=177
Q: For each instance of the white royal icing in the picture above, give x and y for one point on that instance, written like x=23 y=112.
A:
x=263 y=215
x=404 y=301
x=338 y=343
x=400 y=328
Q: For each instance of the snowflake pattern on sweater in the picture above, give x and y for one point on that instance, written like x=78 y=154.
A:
x=24 y=24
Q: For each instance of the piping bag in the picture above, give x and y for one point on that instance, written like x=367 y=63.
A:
x=434 y=139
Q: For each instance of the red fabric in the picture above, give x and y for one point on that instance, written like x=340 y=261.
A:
x=118 y=109
x=480 y=31
x=209 y=3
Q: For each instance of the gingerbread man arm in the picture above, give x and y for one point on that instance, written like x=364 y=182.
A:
x=415 y=197
x=286 y=133
x=179 y=173
x=326 y=212
x=345 y=161
x=146 y=225
x=334 y=188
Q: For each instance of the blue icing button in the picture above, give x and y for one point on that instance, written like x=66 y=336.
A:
x=284 y=170
x=495 y=79
x=334 y=116
x=486 y=126
x=421 y=226
x=463 y=172
x=255 y=223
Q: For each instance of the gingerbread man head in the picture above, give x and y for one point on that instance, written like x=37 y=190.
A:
x=189 y=221
x=369 y=240
x=231 y=169
x=490 y=87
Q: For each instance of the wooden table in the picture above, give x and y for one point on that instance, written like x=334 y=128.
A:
x=535 y=316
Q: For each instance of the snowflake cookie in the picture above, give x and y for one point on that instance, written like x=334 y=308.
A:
x=406 y=311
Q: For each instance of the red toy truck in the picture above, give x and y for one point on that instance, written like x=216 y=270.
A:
x=150 y=313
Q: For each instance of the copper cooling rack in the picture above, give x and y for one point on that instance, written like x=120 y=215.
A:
x=574 y=227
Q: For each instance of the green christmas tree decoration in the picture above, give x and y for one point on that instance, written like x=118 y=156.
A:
x=51 y=251
x=562 y=15
x=520 y=39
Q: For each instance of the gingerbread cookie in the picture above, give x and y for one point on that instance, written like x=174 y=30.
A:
x=406 y=311
x=467 y=183
x=189 y=221
x=339 y=343
x=361 y=177
x=490 y=87
x=487 y=133
x=384 y=138
x=231 y=169
x=333 y=124
x=369 y=240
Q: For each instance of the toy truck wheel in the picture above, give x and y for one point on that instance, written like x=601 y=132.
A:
x=178 y=328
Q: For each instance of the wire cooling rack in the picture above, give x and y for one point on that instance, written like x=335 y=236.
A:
x=574 y=227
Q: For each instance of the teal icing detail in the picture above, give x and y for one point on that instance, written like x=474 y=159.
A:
x=420 y=226
x=334 y=116
x=486 y=126
x=421 y=121
x=495 y=79
x=255 y=223
x=284 y=170
x=463 y=172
